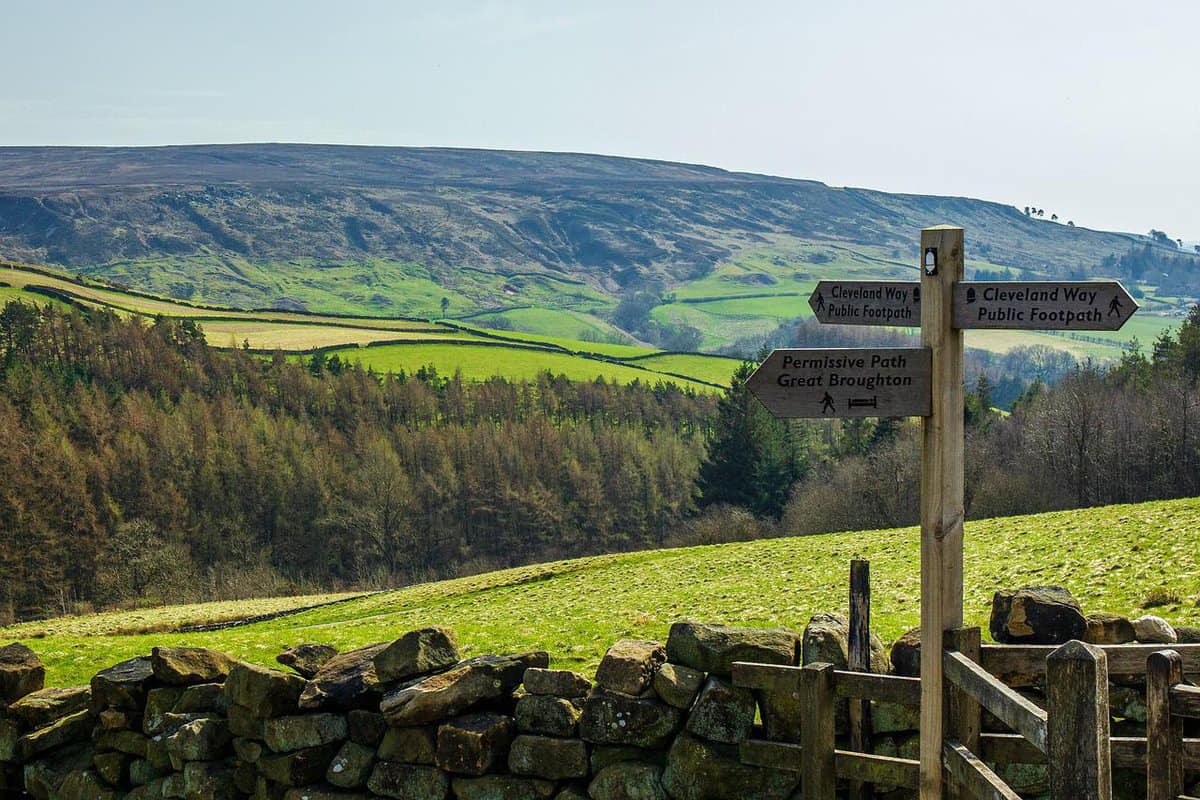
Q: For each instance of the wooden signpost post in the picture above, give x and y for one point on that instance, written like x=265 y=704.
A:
x=926 y=382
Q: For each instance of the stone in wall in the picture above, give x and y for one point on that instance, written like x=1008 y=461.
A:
x=448 y=693
x=629 y=665
x=417 y=653
x=307 y=659
x=714 y=648
x=1036 y=615
x=346 y=681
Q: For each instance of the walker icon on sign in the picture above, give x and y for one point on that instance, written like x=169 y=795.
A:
x=827 y=404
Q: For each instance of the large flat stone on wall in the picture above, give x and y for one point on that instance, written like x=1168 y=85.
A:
x=474 y=744
x=629 y=665
x=264 y=692
x=614 y=718
x=183 y=666
x=346 y=681
x=21 y=672
x=209 y=780
x=417 y=653
x=714 y=648
x=407 y=782
x=456 y=690
x=1036 y=615
x=75 y=727
x=44 y=706
x=699 y=770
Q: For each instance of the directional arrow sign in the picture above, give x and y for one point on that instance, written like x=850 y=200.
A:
x=845 y=382
x=868 y=302
x=1050 y=305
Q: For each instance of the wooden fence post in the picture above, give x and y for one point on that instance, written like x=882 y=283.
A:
x=817 y=776
x=964 y=717
x=941 y=487
x=1078 y=751
x=1164 y=732
x=860 y=661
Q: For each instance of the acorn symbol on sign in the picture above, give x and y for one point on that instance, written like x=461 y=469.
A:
x=970 y=295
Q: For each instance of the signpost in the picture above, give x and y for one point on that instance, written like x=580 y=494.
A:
x=867 y=303
x=1074 y=306
x=844 y=382
x=926 y=382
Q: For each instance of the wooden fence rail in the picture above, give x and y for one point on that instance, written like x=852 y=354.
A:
x=1015 y=711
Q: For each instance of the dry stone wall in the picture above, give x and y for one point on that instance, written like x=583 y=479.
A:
x=413 y=720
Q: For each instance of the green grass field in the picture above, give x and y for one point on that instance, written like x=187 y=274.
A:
x=527 y=354
x=1111 y=558
x=478 y=362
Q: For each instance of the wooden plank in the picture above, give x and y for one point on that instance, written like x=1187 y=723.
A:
x=859 y=660
x=1079 y=758
x=844 y=382
x=867 y=303
x=770 y=755
x=1128 y=752
x=974 y=776
x=941 y=487
x=1009 y=748
x=883 y=688
x=1185 y=701
x=1164 y=729
x=1043 y=305
x=1015 y=711
x=882 y=770
x=766 y=677
x=1123 y=659
x=817 y=732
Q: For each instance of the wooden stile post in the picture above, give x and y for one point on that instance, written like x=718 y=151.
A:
x=941 y=488
x=818 y=779
x=1164 y=732
x=860 y=661
x=964 y=716
x=1078 y=745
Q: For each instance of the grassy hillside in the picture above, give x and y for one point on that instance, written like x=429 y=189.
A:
x=1116 y=558
x=545 y=243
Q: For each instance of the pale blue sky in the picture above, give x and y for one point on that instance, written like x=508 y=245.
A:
x=1087 y=109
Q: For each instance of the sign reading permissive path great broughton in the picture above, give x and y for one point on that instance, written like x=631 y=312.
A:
x=1059 y=306
x=845 y=382
x=867 y=303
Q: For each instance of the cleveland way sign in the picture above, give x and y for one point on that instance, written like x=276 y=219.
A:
x=867 y=303
x=1043 y=305
x=845 y=382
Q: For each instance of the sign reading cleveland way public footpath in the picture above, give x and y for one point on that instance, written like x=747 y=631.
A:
x=845 y=382
x=1043 y=305
x=867 y=303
